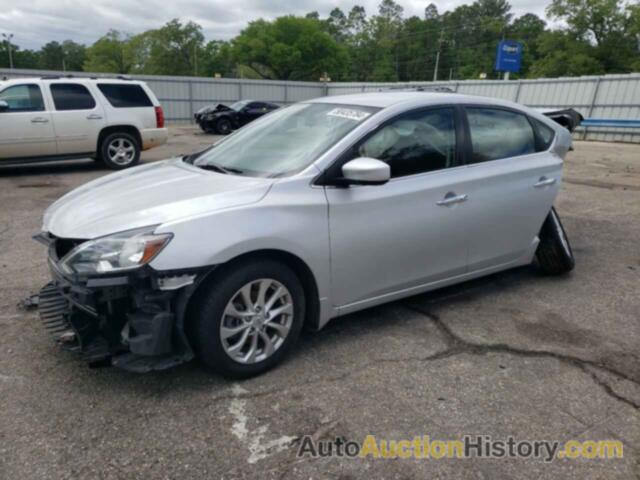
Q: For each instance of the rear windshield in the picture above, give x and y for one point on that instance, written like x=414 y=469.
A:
x=125 y=96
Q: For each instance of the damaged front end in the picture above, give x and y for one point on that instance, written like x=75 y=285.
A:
x=134 y=320
x=208 y=112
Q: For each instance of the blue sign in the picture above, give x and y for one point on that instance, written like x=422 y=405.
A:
x=508 y=56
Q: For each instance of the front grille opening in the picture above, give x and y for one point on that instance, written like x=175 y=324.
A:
x=65 y=245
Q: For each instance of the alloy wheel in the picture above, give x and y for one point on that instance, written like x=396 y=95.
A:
x=121 y=151
x=256 y=321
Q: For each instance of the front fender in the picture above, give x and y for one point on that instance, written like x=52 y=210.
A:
x=292 y=217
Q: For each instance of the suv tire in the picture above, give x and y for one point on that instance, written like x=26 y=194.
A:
x=554 y=252
x=119 y=150
x=225 y=331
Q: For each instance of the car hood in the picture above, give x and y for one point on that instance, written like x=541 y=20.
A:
x=218 y=107
x=150 y=194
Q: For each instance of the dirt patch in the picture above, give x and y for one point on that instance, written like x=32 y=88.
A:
x=40 y=185
x=601 y=184
x=551 y=327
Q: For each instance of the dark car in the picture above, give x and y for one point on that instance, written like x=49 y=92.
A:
x=222 y=119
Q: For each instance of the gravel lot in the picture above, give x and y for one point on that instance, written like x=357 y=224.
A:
x=516 y=354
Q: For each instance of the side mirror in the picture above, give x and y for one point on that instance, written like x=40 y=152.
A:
x=365 y=171
x=3 y=106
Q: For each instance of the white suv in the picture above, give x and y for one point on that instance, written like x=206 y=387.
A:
x=56 y=118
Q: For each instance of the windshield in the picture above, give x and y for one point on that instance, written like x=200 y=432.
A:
x=239 y=105
x=285 y=141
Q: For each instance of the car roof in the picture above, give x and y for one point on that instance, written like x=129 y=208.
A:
x=412 y=98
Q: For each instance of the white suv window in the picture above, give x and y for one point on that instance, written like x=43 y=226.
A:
x=125 y=96
x=72 y=96
x=23 y=98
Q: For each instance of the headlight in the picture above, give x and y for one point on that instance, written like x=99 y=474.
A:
x=115 y=253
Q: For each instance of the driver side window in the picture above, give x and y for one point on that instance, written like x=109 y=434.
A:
x=23 y=98
x=419 y=142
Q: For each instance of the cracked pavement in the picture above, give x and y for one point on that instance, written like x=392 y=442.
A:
x=514 y=354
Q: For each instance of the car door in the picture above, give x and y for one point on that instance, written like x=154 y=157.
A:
x=512 y=181
x=25 y=126
x=77 y=118
x=409 y=232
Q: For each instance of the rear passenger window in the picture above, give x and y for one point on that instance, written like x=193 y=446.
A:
x=71 y=96
x=497 y=134
x=415 y=143
x=125 y=96
x=545 y=135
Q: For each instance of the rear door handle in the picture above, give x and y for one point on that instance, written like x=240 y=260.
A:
x=39 y=120
x=94 y=116
x=544 y=182
x=451 y=198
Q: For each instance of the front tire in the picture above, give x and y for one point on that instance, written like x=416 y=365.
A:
x=248 y=319
x=223 y=126
x=120 y=150
x=554 y=253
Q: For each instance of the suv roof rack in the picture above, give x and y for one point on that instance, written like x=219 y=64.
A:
x=420 y=88
x=92 y=77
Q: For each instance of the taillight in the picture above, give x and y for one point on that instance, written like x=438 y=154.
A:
x=159 y=117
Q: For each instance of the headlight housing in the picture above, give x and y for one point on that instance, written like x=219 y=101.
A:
x=115 y=253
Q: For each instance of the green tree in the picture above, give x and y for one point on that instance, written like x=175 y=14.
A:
x=586 y=18
x=418 y=45
x=173 y=49
x=26 y=59
x=74 y=55
x=472 y=33
x=67 y=55
x=337 y=25
x=385 y=29
x=217 y=57
x=110 y=53
x=359 y=44
x=527 y=29
x=562 y=55
x=52 y=56
x=290 y=48
x=21 y=58
x=604 y=22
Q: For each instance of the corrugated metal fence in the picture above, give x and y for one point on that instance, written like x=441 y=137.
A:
x=603 y=97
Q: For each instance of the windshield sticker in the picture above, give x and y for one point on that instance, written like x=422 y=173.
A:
x=348 y=113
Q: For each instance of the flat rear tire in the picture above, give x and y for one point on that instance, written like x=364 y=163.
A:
x=554 y=253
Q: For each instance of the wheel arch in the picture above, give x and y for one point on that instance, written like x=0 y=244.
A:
x=130 y=129
x=299 y=267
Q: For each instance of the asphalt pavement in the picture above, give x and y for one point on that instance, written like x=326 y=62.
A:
x=515 y=355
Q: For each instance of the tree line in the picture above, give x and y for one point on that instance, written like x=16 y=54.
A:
x=597 y=37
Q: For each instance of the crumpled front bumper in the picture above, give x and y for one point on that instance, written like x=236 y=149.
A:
x=134 y=321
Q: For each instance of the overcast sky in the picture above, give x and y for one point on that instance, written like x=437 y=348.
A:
x=35 y=22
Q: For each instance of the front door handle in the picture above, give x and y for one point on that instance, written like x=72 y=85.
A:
x=39 y=120
x=94 y=116
x=451 y=198
x=544 y=182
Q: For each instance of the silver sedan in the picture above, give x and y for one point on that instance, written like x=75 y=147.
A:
x=314 y=211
